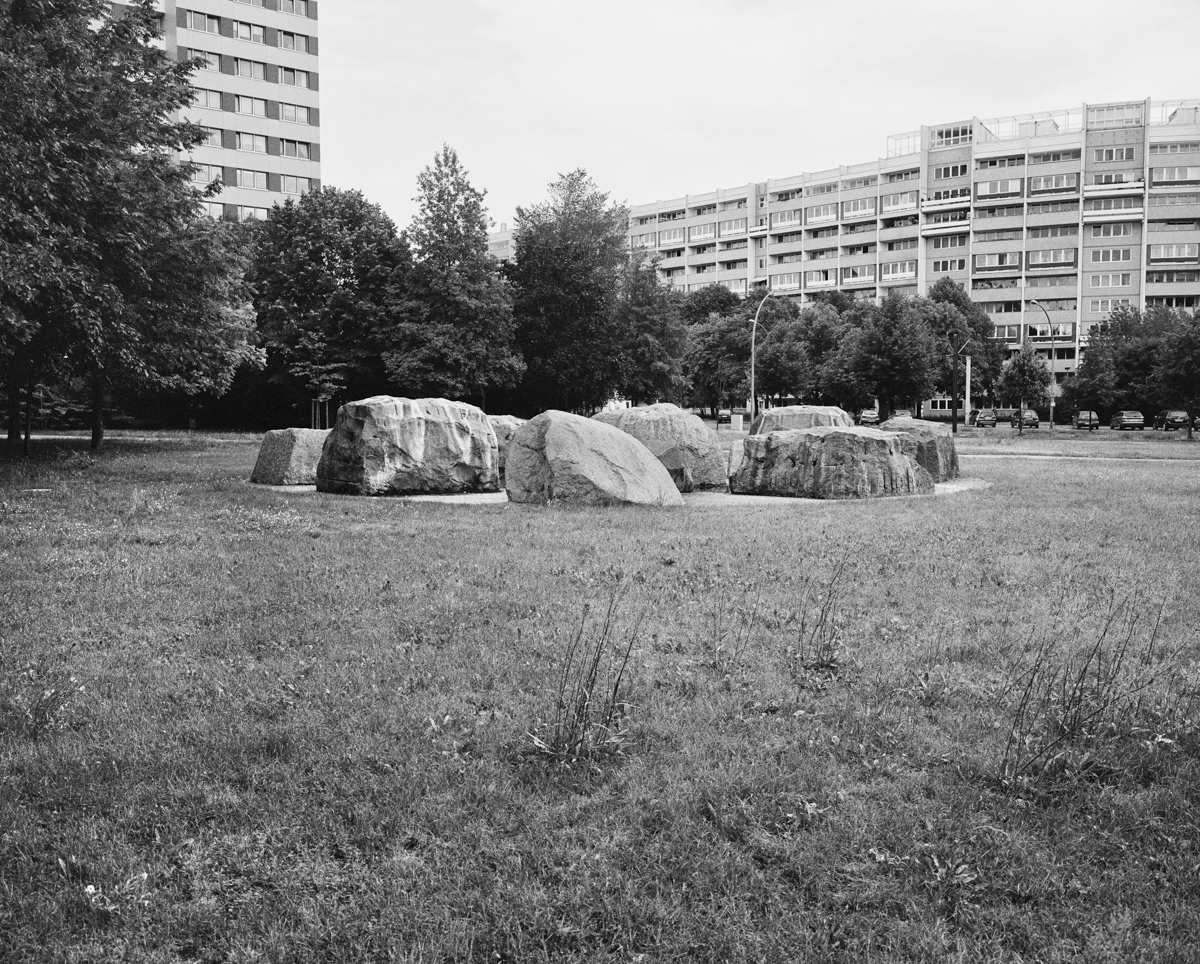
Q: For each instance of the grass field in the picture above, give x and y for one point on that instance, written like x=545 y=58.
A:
x=244 y=725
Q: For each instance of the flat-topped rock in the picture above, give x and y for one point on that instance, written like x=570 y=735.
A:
x=827 y=462
x=560 y=457
x=505 y=426
x=688 y=449
x=289 y=456
x=403 y=446
x=930 y=444
x=800 y=416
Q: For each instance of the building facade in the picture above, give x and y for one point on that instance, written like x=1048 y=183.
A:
x=1078 y=210
x=257 y=97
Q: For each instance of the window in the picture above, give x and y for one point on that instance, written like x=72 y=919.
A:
x=1176 y=147
x=949 y=170
x=819 y=279
x=250 y=142
x=1128 y=115
x=821 y=189
x=789 y=280
x=1012 y=211
x=702 y=232
x=1043 y=183
x=704 y=248
x=999 y=188
x=906 y=201
x=1001 y=307
x=212 y=209
x=250 y=3
x=212 y=137
x=788 y=258
x=250 y=105
x=949 y=193
x=1160 y=226
x=1167 y=200
x=1053 y=157
x=294 y=41
x=950 y=264
x=1174 y=252
x=736 y=285
x=669 y=236
x=671 y=215
x=862 y=272
x=1116 y=177
x=1121 y=279
x=822 y=254
x=1172 y=301
x=736 y=226
x=987 y=284
x=864 y=228
x=1000 y=261
x=984 y=163
x=896 y=270
x=252 y=179
x=206 y=173
x=248 y=31
x=1051 y=281
x=208 y=61
x=857 y=183
x=820 y=213
x=249 y=68
x=734 y=245
x=859 y=249
x=293 y=78
x=1112 y=230
x=298 y=7
x=1055 y=231
x=303 y=150
x=1008 y=234
x=1106 y=304
x=1112 y=203
x=247 y=213
x=785 y=217
x=635 y=240
x=896 y=176
x=863 y=207
x=950 y=241
x=905 y=245
x=1103 y=155
x=819 y=233
x=950 y=136
x=293 y=113
x=739 y=265
x=1172 y=277
x=1105 y=255
x=203 y=22
x=1174 y=175
x=786 y=195
x=210 y=99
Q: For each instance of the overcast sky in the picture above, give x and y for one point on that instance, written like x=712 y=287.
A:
x=659 y=98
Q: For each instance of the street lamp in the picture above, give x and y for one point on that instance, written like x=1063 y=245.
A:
x=1034 y=301
x=954 y=353
x=753 y=333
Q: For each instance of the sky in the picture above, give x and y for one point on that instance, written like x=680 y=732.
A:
x=660 y=98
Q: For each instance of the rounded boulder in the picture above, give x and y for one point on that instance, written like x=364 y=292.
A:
x=929 y=444
x=688 y=449
x=788 y=417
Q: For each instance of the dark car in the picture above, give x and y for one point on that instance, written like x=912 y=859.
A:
x=1088 y=420
x=986 y=418
x=868 y=416
x=1029 y=419
x=723 y=416
x=1128 y=419
x=1170 y=420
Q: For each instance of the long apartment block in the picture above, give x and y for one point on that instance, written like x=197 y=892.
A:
x=257 y=97
x=1079 y=210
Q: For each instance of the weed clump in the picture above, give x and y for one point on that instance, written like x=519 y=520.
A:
x=38 y=702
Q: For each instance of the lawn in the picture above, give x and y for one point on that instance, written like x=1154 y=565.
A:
x=238 y=724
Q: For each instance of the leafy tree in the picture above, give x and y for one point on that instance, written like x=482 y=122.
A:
x=1121 y=360
x=328 y=273
x=897 y=352
x=823 y=331
x=1178 y=373
x=698 y=305
x=648 y=316
x=975 y=328
x=569 y=253
x=454 y=334
x=1025 y=380
x=717 y=361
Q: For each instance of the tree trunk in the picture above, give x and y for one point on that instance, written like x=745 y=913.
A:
x=97 y=413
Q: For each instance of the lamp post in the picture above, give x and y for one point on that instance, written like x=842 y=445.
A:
x=753 y=333
x=954 y=353
x=1053 y=386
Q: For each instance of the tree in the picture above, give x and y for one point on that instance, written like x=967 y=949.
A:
x=569 y=252
x=717 y=360
x=1178 y=374
x=328 y=273
x=454 y=335
x=975 y=328
x=654 y=338
x=897 y=353
x=1025 y=380
x=1119 y=364
x=698 y=305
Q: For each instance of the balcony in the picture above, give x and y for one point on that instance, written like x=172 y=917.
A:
x=1111 y=190
x=947 y=203
x=757 y=230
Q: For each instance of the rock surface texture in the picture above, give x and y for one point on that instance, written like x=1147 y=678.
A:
x=505 y=426
x=687 y=448
x=800 y=416
x=405 y=446
x=929 y=444
x=560 y=457
x=827 y=462
x=289 y=456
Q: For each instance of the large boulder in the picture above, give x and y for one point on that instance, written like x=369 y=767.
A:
x=289 y=456
x=827 y=462
x=560 y=457
x=688 y=449
x=929 y=444
x=402 y=446
x=800 y=416
x=505 y=426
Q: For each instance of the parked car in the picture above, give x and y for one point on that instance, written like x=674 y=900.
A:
x=1170 y=420
x=1029 y=418
x=723 y=416
x=868 y=416
x=902 y=413
x=985 y=418
x=1127 y=420
x=1088 y=420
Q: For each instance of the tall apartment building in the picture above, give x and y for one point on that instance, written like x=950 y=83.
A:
x=256 y=97
x=1080 y=210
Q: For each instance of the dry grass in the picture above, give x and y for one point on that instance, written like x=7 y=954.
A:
x=298 y=725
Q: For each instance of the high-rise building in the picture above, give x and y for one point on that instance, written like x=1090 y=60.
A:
x=1078 y=210
x=256 y=97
